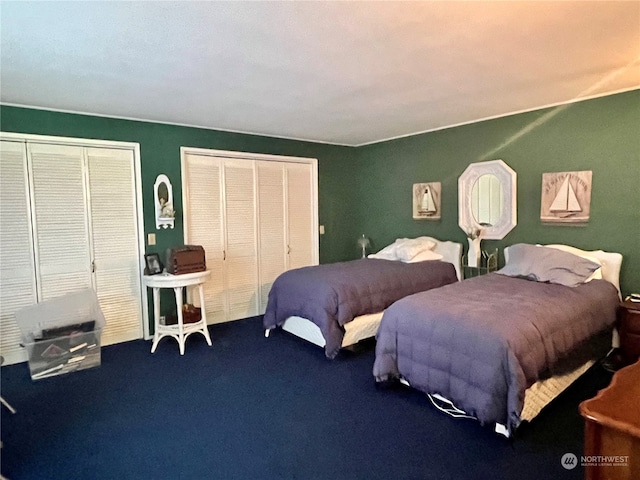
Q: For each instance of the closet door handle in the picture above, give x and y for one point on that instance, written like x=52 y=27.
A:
x=224 y=255
x=288 y=249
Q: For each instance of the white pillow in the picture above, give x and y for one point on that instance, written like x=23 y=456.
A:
x=424 y=256
x=387 y=253
x=597 y=275
x=407 y=248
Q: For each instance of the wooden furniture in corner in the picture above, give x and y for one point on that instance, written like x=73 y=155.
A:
x=629 y=327
x=612 y=428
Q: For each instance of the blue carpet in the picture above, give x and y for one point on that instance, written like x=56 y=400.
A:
x=251 y=407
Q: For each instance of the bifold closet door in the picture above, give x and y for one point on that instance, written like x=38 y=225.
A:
x=60 y=219
x=272 y=241
x=255 y=220
x=300 y=207
x=17 y=270
x=204 y=225
x=114 y=234
x=69 y=221
x=220 y=215
x=241 y=261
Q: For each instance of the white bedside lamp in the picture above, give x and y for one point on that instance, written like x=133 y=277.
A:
x=364 y=243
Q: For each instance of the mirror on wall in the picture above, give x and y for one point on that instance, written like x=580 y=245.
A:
x=163 y=200
x=487 y=199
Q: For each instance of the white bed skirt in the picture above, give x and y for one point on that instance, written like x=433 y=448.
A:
x=360 y=328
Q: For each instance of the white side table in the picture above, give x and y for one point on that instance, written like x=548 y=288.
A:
x=179 y=331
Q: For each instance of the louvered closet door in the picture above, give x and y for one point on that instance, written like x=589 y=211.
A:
x=63 y=260
x=115 y=242
x=203 y=224
x=300 y=215
x=271 y=227
x=241 y=269
x=17 y=271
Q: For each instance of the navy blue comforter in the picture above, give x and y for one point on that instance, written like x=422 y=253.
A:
x=331 y=295
x=482 y=342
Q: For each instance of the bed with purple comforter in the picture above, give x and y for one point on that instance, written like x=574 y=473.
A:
x=331 y=295
x=482 y=342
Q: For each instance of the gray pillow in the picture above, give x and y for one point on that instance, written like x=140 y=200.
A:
x=545 y=264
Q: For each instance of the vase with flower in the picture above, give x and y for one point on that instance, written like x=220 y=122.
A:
x=474 y=237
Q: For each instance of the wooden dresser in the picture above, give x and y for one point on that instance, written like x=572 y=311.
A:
x=612 y=428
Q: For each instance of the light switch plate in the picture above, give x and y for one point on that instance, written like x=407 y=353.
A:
x=151 y=239
x=321 y=229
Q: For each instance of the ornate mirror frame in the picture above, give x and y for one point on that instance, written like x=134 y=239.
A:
x=508 y=216
x=163 y=210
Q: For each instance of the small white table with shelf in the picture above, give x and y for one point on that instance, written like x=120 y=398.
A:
x=179 y=331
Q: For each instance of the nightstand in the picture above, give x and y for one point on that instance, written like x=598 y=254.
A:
x=488 y=264
x=629 y=328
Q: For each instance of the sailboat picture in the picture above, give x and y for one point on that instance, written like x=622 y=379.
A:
x=426 y=201
x=566 y=197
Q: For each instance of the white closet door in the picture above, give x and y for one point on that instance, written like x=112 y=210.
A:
x=202 y=191
x=272 y=245
x=17 y=272
x=300 y=209
x=115 y=242
x=240 y=266
x=63 y=260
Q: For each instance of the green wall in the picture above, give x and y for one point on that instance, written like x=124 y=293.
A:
x=160 y=153
x=602 y=135
x=367 y=190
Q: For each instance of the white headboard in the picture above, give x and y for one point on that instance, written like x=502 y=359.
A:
x=611 y=262
x=451 y=252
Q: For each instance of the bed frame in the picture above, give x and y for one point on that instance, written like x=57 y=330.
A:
x=366 y=326
x=541 y=393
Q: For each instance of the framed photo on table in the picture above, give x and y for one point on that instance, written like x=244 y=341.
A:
x=154 y=265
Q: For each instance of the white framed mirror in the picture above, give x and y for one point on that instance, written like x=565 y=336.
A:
x=487 y=199
x=163 y=201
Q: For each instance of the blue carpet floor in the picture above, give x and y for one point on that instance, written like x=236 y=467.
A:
x=251 y=407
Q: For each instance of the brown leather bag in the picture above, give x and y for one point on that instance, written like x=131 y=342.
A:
x=186 y=259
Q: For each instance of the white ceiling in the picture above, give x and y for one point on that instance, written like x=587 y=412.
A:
x=347 y=73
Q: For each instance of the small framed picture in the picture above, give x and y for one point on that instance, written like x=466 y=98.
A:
x=154 y=265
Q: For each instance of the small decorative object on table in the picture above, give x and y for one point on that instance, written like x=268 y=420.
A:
x=474 y=237
x=190 y=314
x=154 y=265
x=186 y=259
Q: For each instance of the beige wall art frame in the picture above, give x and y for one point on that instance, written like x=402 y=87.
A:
x=427 y=201
x=566 y=197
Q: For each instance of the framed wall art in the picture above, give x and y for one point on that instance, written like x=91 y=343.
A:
x=566 y=197
x=427 y=201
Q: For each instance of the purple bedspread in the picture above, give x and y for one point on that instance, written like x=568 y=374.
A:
x=331 y=295
x=482 y=342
